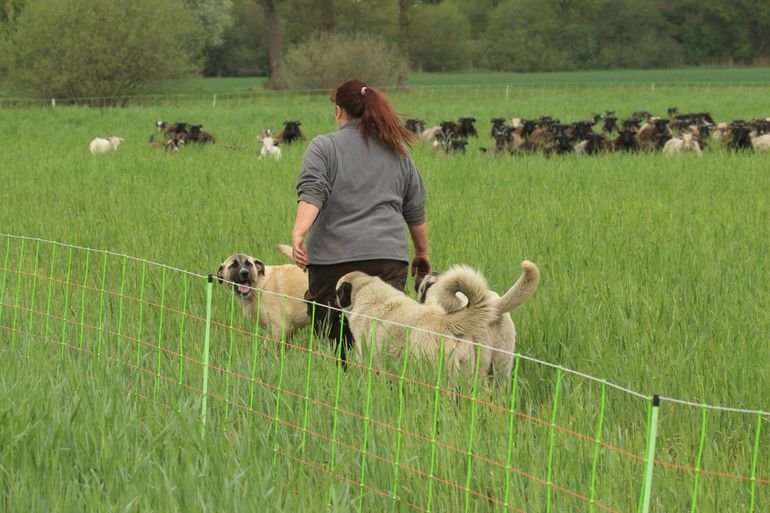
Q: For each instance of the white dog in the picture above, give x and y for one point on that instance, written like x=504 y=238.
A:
x=501 y=332
x=100 y=145
x=366 y=297
x=269 y=146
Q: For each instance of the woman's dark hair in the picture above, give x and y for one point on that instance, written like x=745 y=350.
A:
x=376 y=114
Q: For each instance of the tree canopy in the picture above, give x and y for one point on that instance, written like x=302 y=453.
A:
x=78 y=48
x=57 y=47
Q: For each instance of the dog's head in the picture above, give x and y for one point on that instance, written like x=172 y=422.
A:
x=244 y=271
x=348 y=287
x=426 y=283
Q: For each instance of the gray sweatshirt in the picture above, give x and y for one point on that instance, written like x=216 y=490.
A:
x=365 y=193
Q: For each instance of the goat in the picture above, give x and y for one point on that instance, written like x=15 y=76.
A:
x=610 y=124
x=291 y=132
x=593 y=144
x=761 y=142
x=739 y=138
x=171 y=145
x=654 y=134
x=100 y=145
x=686 y=142
x=464 y=128
x=498 y=126
x=269 y=146
x=626 y=140
x=416 y=126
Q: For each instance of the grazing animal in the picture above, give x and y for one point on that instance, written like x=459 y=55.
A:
x=269 y=146
x=172 y=144
x=685 y=142
x=592 y=145
x=101 y=145
x=501 y=331
x=761 y=142
x=465 y=128
x=626 y=140
x=365 y=297
x=281 y=285
x=291 y=132
x=416 y=126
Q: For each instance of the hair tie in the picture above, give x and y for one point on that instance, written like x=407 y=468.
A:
x=363 y=90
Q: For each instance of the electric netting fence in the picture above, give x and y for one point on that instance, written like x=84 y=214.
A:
x=256 y=96
x=407 y=435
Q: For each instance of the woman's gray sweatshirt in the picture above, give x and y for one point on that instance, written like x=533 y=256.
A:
x=365 y=193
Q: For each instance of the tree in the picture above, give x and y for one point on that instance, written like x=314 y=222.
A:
x=326 y=59
x=327 y=15
x=71 y=48
x=277 y=78
x=438 y=38
x=244 y=51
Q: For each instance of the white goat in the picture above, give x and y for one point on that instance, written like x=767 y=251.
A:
x=269 y=147
x=761 y=142
x=686 y=142
x=100 y=145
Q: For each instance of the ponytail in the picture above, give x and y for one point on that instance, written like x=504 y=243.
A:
x=377 y=115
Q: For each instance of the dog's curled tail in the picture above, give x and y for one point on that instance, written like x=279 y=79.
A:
x=518 y=294
x=480 y=309
x=285 y=250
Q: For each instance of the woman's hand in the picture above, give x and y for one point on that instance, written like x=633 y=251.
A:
x=420 y=266
x=306 y=214
x=299 y=251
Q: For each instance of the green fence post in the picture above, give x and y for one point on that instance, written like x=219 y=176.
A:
x=511 y=412
x=650 y=458
x=50 y=294
x=434 y=432
x=754 y=463
x=704 y=422
x=472 y=431
x=84 y=286
x=366 y=416
x=551 y=442
x=399 y=422
x=101 y=305
x=597 y=444
x=307 y=381
x=34 y=291
x=16 y=304
x=205 y=358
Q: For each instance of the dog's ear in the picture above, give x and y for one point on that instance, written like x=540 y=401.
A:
x=343 y=295
x=221 y=273
x=259 y=265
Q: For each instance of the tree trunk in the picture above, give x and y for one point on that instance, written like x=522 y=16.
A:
x=275 y=45
x=327 y=15
x=403 y=43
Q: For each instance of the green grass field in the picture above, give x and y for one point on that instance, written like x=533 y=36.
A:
x=654 y=277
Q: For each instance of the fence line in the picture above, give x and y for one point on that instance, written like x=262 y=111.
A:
x=157 y=326
x=247 y=95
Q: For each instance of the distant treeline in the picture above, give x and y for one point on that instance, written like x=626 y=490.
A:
x=514 y=35
x=80 y=48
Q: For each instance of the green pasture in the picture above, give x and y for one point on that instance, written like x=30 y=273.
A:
x=654 y=277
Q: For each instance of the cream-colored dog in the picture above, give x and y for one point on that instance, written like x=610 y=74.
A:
x=284 y=287
x=365 y=298
x=500 y=332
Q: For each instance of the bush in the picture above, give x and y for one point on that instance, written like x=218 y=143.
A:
x=80 y=48
x=326 y=59
x=438 y=38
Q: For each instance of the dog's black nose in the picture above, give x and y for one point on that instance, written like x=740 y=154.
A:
x=244 y=273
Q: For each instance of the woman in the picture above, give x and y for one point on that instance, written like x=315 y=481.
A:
x=357 y=188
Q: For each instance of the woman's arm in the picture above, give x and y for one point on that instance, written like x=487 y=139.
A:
x=421 y=262
x=306 y=214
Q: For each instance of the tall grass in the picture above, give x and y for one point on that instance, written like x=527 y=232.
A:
x=654 y=277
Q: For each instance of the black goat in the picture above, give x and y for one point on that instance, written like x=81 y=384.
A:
x=291 y=132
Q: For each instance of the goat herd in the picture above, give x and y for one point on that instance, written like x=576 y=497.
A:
x=602 y=133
